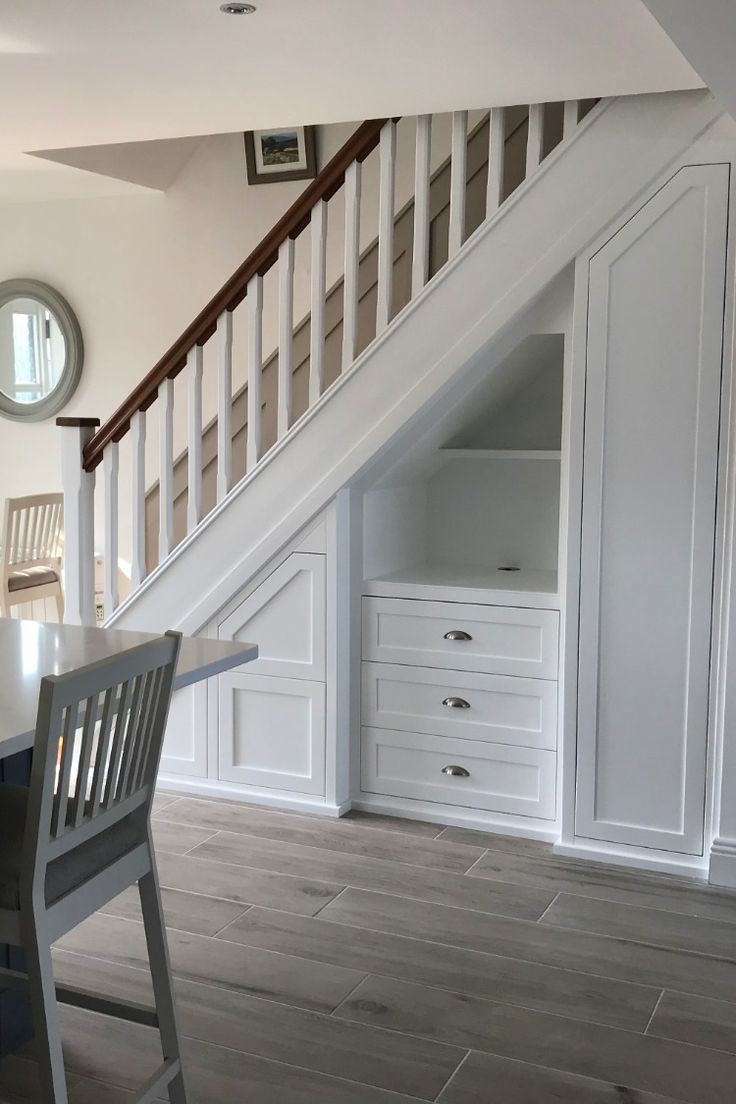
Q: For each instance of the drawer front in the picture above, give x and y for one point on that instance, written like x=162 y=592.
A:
x=498 y=708
x=488 y=776
x=497 y=640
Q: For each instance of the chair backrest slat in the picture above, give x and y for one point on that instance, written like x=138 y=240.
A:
x=33 y=531
x=111 y=717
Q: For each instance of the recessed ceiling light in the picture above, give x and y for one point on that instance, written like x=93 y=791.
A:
x=237 y=9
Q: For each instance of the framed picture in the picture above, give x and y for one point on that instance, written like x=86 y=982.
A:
x=285 y=154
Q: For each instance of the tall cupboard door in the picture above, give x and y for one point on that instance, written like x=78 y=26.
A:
x=656 y=302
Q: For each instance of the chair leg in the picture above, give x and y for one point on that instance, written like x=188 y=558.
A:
x=59 y=606
x=158 y=955
x=49 y=1054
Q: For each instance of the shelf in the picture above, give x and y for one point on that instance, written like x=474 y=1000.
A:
x=463 y=583
x=499 y=454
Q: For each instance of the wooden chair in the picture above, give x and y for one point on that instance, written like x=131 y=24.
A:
x=81 y=834
x=32 y=543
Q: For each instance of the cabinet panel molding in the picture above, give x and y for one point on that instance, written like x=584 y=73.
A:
x=656 y=300
x=272 y=732
x=286 y=614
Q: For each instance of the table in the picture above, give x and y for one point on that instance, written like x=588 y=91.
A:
x=28 y=651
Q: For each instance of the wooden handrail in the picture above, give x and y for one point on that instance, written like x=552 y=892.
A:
x=296 y=219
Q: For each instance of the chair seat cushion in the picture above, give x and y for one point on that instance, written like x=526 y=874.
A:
x=68 y=871
x=32 y=577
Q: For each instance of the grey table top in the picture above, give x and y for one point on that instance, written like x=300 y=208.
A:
x=31 y=649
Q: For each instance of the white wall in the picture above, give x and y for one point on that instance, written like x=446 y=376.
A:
x=137 y=269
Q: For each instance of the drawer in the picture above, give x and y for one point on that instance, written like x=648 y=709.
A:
x=498 y=640
x=499 y=778
x=499 y=708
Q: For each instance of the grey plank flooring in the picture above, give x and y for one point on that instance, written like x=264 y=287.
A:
x=422 y=883
x=291 y=892
x=697 y=1020
x=525 y=1084
x=606 y=883
x=591 y=953
x=379 y=961
x=607 y=1054
x=473 y=972
x=331 y=835
x=189 y=912
x=664 y=929
x=310 y=1040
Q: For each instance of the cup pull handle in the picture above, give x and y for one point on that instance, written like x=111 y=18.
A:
x=456 y=703
x=456 y=772
x=457 y=634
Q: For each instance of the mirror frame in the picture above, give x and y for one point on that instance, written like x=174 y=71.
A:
x=58 y=398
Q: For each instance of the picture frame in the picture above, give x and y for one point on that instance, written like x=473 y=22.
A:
x=283 y=153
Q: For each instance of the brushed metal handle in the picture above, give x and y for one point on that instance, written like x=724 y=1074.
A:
x=457 y=634
x=455 y=771
x=456 y=703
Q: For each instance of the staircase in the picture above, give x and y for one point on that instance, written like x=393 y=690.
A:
x=418 y=294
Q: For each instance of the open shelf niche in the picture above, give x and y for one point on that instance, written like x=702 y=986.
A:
x=475 y=517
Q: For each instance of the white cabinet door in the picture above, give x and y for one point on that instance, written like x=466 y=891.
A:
x=272 y=732
x=285 y=617
x=651 y=440
x=185 y=743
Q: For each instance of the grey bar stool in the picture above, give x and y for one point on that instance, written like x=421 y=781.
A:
x=80 y=834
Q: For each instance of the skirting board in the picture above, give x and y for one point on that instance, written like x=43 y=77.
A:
x=637 y=858
x=449 y=816
x=296 y=803
x=722 y=870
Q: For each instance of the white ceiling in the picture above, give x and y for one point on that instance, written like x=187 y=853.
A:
x=708 y=42
x=95 y=72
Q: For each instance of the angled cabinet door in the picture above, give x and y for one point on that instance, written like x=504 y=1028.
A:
x=285 y=617
x=656 y=302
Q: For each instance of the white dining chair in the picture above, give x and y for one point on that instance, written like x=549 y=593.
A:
x=80 y=835
x=32 y=546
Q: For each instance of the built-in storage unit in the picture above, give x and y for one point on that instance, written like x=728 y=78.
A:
x=262 y=731
x=460 y=621
x=655 y=317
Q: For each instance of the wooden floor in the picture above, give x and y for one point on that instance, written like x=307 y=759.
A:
x=379 y=961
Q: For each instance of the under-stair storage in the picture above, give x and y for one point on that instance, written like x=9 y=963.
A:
x=460 y=620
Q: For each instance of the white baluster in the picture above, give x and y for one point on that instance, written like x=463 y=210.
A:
x=79 y=521
x=286 y=335
x=194 y=444
x=138 y=497
x=496 y=159
x=458 y=171
x=317 y=322
x=224 y=404
x=387 y=154
x=352 y=259
x=535 y=137
x=570 y=117
x=111 y=466
x=420 y=258
x=254 y=300
x=166 y=469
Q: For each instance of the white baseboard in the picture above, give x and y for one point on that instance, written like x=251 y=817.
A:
x=722 y=869
x=637 y=858
x=457 y=818
x=246 y=795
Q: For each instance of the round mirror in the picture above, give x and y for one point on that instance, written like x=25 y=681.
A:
x=41 y=350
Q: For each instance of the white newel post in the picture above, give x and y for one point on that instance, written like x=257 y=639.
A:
x=79 y=521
